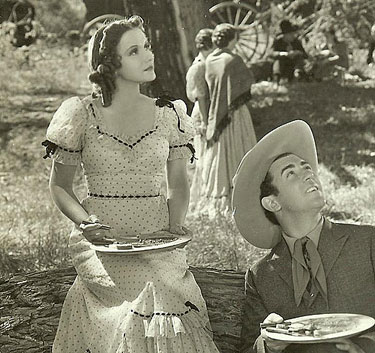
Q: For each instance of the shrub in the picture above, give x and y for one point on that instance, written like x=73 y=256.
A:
x=60 y=16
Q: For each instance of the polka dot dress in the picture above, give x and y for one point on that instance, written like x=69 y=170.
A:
x=142 y=303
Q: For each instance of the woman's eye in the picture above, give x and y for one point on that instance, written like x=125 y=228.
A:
x=134 y=51
x=307 y=167
x=290 y=173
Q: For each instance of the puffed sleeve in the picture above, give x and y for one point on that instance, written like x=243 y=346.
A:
x=196 y=86
x=181 y=132
x=65 y=132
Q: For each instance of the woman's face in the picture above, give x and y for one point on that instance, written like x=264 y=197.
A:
x=137 y=59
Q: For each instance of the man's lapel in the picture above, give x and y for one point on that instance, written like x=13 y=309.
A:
x=281 y=261
x=331 y=242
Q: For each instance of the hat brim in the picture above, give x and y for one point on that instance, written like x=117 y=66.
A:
x=295 y=137
x=290 y=30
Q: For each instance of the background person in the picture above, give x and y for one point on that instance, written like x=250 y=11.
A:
x=288 y=53
x=125 y=141
x=332 y=57
x=230 y=132
x=197 y=92
x=315 y=266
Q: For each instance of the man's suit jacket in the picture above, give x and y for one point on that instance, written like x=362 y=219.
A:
x=348 y=256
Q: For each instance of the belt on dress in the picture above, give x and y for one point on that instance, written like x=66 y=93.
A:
x=91 y=194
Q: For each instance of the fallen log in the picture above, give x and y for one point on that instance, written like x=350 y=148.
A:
x=30 y=307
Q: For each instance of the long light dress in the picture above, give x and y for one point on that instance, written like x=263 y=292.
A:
x=220 y=162
x=196 y=88
x=127 y=303
x=221 y=158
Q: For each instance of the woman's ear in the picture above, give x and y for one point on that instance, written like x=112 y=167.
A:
x=270 y=204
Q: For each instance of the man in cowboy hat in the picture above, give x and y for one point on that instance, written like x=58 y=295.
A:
x=315 y=266
x=288 y=53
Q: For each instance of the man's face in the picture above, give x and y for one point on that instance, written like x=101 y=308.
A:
x=299 y=187
x=289 y=37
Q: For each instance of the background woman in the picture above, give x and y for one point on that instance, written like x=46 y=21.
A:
x=230 y=133
x=197 y=92
x=124 y=140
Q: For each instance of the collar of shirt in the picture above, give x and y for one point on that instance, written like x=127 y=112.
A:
x=199 y=58
x=314 y=236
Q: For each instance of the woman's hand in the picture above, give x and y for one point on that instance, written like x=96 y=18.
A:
x=179 y=229
x=96 y=232
x=201 y=129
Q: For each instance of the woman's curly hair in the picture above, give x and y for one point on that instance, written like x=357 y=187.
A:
x=223 y=34
x=103 y=57
x=203 y=39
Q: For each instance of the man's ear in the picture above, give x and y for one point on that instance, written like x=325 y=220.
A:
x=270 y=204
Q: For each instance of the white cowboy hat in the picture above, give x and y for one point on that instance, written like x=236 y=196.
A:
x=295 y=137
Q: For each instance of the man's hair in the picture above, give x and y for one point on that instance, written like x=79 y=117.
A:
x=267 y=189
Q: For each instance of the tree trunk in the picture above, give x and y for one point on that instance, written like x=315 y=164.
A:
x=171 y=26
x=31 y=304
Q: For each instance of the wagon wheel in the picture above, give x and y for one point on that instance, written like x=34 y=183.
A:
x=92 y=26
x=254 y=40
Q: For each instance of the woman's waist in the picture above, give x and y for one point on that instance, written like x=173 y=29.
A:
x=123 y=186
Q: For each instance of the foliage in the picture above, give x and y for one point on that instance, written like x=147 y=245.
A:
x=60 y=16
x=352 y=19
x=43 y=67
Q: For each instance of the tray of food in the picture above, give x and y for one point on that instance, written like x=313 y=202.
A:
x=319 y=328
x=141 y=243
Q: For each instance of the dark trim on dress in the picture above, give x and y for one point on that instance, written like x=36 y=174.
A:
x=91 y=194
x=123 y=142
x=166 y=100
x=190 y=147
x=190 y=306
x=225 y=121
x=52 y=147
x=130 y=145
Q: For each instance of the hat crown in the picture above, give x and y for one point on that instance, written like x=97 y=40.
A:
x=286 y=26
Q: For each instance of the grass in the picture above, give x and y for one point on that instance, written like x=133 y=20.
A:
x=33 y=233
x=42 y=68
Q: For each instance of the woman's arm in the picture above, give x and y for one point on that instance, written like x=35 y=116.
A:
x=203 y=109
x=61 y=188
x=178 y=194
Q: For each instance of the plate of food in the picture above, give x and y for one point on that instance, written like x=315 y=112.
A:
x=319 y=328
x=158 y=241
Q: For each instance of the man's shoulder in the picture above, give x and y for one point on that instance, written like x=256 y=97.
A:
x=263 y=263
x=355 y=232
x=354 y=229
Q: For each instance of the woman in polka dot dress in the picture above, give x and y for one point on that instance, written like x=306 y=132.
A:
x=125 y=141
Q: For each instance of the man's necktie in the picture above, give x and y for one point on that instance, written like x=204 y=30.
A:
x=307 y=270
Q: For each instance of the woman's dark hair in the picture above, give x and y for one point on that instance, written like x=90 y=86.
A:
x=103 y=57
x=203 y=39
x=223 y=34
